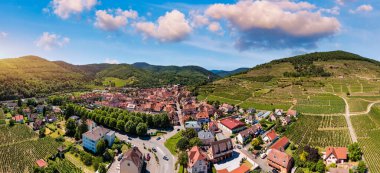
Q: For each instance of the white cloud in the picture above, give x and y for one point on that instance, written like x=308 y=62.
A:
x=275 y=23
x=334 y=11
x=198 y=20
x=214 y=27
x=171 y=27
x=362 y=8
x=49 y=41
x=111 y=61
x=66 y=8
x=3 y=35
x=113 y=19
x=343 y=2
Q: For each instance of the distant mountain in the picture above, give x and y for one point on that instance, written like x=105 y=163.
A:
x=224 y=73
x=34 y=76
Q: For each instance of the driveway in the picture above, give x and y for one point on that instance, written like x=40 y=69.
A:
x=162 y=166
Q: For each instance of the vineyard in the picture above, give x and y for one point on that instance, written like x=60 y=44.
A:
x=65 y=166
x=367 y=128
x=19 y=148
x=319 y=131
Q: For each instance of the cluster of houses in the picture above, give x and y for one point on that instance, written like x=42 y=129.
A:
x=152 y=100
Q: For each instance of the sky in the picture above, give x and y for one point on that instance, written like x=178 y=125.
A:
x=214 y=34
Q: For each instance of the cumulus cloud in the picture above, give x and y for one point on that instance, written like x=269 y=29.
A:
x=112 y=20
x=65 y=8
x=111 y=61
x=197 y=19
x=275 y=24
x=171 y=27
x=334 y=11
x=3 y=35
x=214 y=27
x=49 y=41
x=362 y=9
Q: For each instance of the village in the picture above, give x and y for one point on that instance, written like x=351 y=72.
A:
x=168 y=130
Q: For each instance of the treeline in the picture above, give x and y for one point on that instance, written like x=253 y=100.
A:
x=122 y=120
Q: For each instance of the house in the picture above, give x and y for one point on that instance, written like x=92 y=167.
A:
x=193 y=125
x=250 y=119
x=280 y=161
x=197 y=161
x=32 y=117
x=11 y=105
x=220 y=150
x=90 y=124
x=132 y=161
x=41 y=163
x=252 y=132
x=38 y=123
x=338 y=170
x=91 y=138
x=270 y=136
x=202 y=117
x=291 y=113
x=18 y=118
x=27 y=112
x=226 y=108
x=281 y=144
x=285 y=120
x=278 y=112
x=206 y=137
x=220 y=136
x=251 y=111
x=335 y=155
x=231 y=125
x=213 y=126
x=272 y=117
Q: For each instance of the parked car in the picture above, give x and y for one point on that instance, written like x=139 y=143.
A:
x=262 y=156
x=158 y=138
x=178 y=130
x=129 y=138
x=166 y=158
x=119 y=157
x=147 y=157
x=154 y=149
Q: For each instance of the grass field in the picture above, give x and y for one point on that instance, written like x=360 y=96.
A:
x=171 y=143
x=367 y=128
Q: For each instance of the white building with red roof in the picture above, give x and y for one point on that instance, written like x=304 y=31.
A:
x=335 y=155
x=197 y=161
x=231 y=125
x=270 y=136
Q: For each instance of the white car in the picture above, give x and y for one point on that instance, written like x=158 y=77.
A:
x=262 y=156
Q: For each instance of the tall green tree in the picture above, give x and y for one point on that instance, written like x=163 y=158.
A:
x=141 y=129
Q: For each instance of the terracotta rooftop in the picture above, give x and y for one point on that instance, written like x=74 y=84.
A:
x=280 y=144
x=195 y=154
x=272 y=135
x=338 y=152
x=232 y=123
x=134 y=155
x=41 y=163
x=279 y=157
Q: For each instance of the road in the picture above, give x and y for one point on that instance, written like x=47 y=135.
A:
x=163 y=166
x=348 y=120
x=179 y=113
x=263 y=163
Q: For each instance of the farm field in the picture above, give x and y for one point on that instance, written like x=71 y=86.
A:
x=65 y=166
x=367 y=129
x=319 y=131
x=21 y=148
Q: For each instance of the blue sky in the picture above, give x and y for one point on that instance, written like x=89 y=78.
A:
x=213 y=34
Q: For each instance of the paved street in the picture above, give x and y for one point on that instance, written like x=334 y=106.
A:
x=261 y=162
x=163 y=166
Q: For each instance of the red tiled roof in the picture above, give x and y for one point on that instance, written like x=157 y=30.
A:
x=280 y=144
x=202 y=115
x=18 y=118
x=41 y=163
x=272 y=135
x=291 y=112
x=279 y=157
x=232 y=123
x=339 y=152
x=195 y=154
x=242 y=169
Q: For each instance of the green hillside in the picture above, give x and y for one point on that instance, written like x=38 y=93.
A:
x=311 y=83
x=33 y=76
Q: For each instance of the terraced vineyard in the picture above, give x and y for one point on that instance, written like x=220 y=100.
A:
x=20 y=148
x=65 y=166
x=367 y=129
x=319 y=131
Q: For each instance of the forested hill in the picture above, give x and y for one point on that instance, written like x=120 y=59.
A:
x=224 y=73
x=33 y=76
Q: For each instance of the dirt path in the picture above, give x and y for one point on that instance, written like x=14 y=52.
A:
x=348 y=121
x=369 y=107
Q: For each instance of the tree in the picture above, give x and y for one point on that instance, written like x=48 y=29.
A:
x=183 y=158
x=141 y=129
x=189 y=133
x=19 y=102
x=69 y=111
x=12 y=122
x=101 y=146
x=130 y=127
x=120 y=125
x=70 y=127
x=255 y=143
x=102 y=168
x=354 y=152
x=42 y=132
x=195 y=142
x=108 y=155
x=320 y=167
x=362 y=168
x=183 y=144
